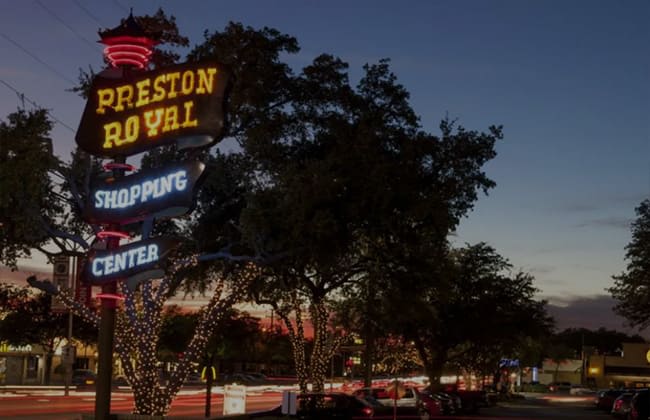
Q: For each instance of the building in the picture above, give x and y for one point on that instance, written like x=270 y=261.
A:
x=631 y=369
x=25 y=365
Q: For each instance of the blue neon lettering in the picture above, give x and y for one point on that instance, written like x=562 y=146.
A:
x=141 y=193
x=125 y=260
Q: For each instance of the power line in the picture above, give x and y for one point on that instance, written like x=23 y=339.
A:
x=87 y=12
x=94 y=46
x=24 y=98
x=121 y=6
x=52 y=69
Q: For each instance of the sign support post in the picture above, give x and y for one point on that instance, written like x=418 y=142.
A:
x=107 y=329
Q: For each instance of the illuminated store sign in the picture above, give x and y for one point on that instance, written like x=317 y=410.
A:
x=165 y=192
x=149 y=109
x=128 y=260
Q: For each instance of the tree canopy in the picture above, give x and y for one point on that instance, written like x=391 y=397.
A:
x=632 y=287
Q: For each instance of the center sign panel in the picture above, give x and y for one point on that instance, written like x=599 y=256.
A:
x=149 y=255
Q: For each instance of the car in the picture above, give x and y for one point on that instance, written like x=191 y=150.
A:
x=640 y=405
x=384 y=396
x=83 y=378
x=257 y=377
x=605 y=398
x=434 y=403
x=580 y=390
x=470 y=400
x=559 y=387
x=239 y=378
x=120 y=381
x=337 y=406
x=622 y=405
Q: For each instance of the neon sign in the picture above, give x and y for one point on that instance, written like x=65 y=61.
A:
x=149 y=109
x=165 y=192
x=129 y=260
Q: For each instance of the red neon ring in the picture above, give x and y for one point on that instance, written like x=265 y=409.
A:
x=112 y=234
x=114 y=165
x=111 y=296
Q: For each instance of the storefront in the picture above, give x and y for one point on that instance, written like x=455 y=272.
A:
x=631 y=369
x=21 y=365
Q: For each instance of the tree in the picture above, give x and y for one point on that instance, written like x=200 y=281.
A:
x=476 y=309
x=30 y=204
x=28 y=319
x=355 y=181
x=602 y=340
x=631 y=288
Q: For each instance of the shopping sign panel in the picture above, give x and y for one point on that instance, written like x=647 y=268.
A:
x=125 y=116
x=160 y=193
x=128 y=261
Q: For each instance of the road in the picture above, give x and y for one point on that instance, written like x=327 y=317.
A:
x=544 y=407
x=57 y=407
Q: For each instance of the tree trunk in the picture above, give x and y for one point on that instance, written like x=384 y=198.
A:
x=435 y=370
x=369 y=337
x=47 y=375
x=319 y=354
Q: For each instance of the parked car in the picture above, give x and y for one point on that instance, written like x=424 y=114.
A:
x=382 y=395
x=436 y=403
x=337 y=406
x=257 y=377
x=605 y=398
x=120 y=381
x=640 y=405
x=83 y=378
x=239 y=378
x=622 y=405
x=559 y=387
x=580 y=390
x=471 y=401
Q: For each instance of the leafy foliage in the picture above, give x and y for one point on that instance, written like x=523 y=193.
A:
x=29 y=202
x=471 y=312
x=632 y=288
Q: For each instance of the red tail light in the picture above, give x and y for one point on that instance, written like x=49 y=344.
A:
x=618 y=404
x=367 y=411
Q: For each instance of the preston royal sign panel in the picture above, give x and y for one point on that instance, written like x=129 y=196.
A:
x=160 y=193
x=144 y=258
x=148 y=109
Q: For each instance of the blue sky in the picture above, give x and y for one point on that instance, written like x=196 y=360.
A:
x=568 y=80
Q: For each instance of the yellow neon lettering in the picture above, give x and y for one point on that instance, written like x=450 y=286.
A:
x=113 y=132
x=171 y=119
x=132 y=129
x=158 y=88
x=124 y=96
x=152 y=125
x=187 y=82
x=143 y=92
x=188 y=115
x=172 y=78
x=206 y=80
x=105 y=98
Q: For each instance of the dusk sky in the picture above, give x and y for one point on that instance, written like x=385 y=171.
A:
x=568 y=80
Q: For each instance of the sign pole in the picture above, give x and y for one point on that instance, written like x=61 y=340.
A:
x=107 y=329
x=68 y=361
